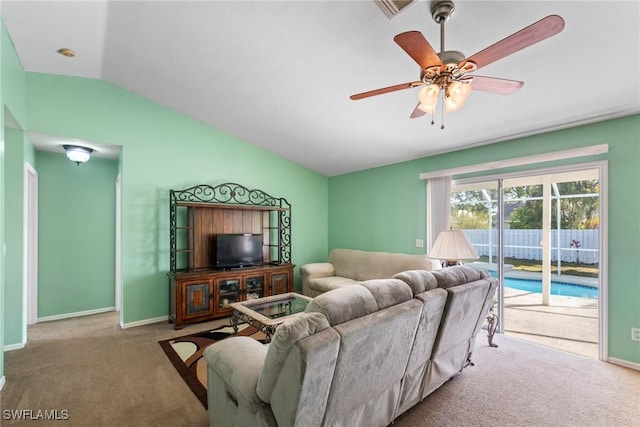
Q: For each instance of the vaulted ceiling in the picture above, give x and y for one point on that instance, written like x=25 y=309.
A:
x=278 y=74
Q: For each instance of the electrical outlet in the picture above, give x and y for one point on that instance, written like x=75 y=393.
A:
x=419 y=243
x=635 y=334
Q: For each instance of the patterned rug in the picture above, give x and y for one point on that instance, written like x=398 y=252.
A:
x=185 y=353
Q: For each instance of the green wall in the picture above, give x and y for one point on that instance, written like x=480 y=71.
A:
x=385 y=208
x=76 y=234
x=161 y=150
x=378 y=210
x=12 y=97
x=13 y=197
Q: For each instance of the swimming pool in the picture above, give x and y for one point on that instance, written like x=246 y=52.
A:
x=557 y=288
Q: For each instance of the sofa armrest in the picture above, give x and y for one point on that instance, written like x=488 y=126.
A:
x=234 y=365
x=436 y=264
x=313 y=271
x=318 y=269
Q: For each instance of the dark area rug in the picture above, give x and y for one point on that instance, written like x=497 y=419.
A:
x=185 y=353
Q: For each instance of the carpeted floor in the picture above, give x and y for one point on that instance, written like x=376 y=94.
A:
x=105 y=376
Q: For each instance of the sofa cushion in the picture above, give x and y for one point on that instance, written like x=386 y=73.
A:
x=325 y=284
x=374 y=350
x=457 y=275
x=419 y=359
x=343 y=304
x=388 y=292
x=462 y=312
x=286 y=336
x=419 y=280
x=300 y=395
x=367 y=265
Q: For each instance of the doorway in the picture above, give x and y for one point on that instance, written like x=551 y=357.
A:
x=539 y=233
x=30 y=248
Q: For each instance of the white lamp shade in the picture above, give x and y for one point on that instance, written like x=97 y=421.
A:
x=453 y=245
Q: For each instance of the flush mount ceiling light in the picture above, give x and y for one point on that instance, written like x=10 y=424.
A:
x=77 y=154
x=447 y=75
x=64 y=51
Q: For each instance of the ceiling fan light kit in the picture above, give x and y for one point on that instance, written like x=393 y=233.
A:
x=445 y=77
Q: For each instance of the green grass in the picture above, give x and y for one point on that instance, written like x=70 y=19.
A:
x=569 y=268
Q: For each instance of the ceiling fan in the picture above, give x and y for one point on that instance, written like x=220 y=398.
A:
x=446 y=75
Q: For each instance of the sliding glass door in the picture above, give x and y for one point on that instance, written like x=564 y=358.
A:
x=539 y=234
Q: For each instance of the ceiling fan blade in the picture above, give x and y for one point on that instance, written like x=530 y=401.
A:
x=418 y=48
x=385 y=90
x=543 y=29
x=417 y=113
x=499 y=86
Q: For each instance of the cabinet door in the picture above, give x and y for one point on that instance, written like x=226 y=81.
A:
x=254 y=286
x=226 y=291
x=197 y=298
x=279 y=283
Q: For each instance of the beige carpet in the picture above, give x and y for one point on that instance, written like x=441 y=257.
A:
x=105 y=376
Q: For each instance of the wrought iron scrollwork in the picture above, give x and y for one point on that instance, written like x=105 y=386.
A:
x=232 y=194
x=227 y=193
x=492 y=326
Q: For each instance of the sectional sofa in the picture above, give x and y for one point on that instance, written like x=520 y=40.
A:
x=360 y=355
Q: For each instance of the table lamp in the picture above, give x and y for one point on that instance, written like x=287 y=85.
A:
x=451 y=246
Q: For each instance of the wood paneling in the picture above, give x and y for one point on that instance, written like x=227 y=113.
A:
x=212 y=221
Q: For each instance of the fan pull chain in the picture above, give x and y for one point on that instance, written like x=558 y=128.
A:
x=442 y=109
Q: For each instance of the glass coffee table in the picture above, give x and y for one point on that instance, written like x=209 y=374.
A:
x=265 y=314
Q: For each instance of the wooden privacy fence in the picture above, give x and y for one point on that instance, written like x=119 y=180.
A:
x=579 y=246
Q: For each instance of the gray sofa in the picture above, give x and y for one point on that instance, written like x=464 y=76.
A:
x=360 y=355
x=352 y=266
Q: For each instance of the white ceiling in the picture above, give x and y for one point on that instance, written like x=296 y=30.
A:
x=278 y=74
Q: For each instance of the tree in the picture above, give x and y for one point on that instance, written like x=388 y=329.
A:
x=575 y=213
x=471 y=209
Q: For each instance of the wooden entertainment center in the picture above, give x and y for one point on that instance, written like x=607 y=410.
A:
x=197 y=290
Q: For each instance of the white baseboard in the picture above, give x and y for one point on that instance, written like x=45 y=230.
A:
x=144 y=322
x=2 y=381
x=77 y=314
x=17 y=346
x=624 y=363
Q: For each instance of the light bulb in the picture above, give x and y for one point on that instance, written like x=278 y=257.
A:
x=428 y=95
x=451 y=106
x=459 y=92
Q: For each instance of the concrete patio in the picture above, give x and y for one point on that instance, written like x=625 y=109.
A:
x=567 y=323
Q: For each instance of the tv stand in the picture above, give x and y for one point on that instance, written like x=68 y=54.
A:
x=205 y=295
x=198 y=290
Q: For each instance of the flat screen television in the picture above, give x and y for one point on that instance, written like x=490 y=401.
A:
x=238 y=250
